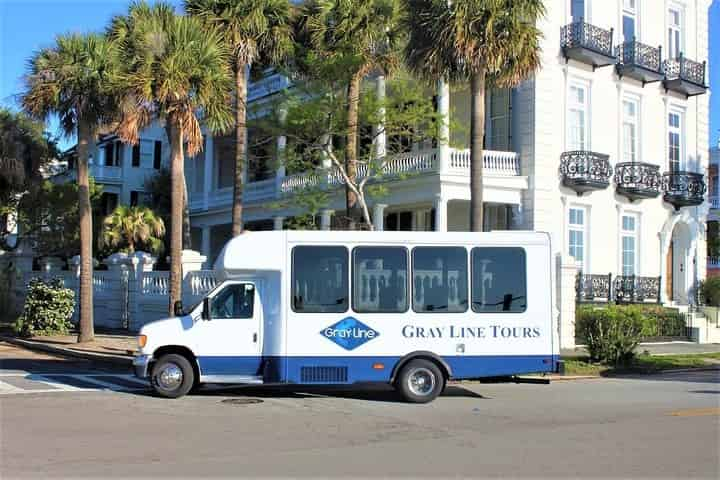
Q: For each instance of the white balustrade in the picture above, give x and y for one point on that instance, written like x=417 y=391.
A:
x=714 y=202
x=156 y=283
x=494 y=162
x=200 y=282
x=106 y=173
x=713 y=262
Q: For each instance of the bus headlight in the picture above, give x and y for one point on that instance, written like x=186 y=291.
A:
x=142 y=340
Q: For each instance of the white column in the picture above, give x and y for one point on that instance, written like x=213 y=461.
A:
x=566 y=274
x=443 y=103
x=440 y=214
x=278 y=223
x=325 y=219
x=381 y=137
x=209 y=166
x=378 y=216
x=664 y=245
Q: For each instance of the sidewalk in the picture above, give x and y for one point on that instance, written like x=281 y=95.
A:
x=109 y=348
x=660 y=348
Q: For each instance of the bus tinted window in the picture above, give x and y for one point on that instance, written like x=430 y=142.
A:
x=499 y=280
x=440 y=279
x=320 y=279
x=380 y=279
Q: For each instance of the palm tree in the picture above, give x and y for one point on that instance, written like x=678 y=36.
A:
x=174 y=69
x=129 y=226
x=348 y=40
x=73 y=80
x=255 y=30
x=486 y=42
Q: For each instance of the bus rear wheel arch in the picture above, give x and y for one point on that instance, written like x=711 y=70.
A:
x=420 y=380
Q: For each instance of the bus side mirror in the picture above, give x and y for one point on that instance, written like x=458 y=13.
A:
x=178 y=308
x=205 y=315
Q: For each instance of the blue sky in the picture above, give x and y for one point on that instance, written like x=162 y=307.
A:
x=28 y=25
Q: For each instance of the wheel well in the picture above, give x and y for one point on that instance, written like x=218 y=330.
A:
x=429 y=356
x=180 y=350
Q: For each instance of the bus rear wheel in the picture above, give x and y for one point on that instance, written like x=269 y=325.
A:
x=420 y=381
x=172 y=376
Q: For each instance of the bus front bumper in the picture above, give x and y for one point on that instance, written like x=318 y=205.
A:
x=141 y=365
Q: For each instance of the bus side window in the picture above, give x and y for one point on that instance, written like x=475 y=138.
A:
x=499 y=280
x=320 y=279
x=440 y=279
x=380 y=279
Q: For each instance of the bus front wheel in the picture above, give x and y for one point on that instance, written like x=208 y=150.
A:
x=420 y=381
x=172 y=376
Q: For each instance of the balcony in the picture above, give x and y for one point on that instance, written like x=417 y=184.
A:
x=683 y=189
x=498 y=166
x=108 y=174
x=684 y=76
x=639 y=61
x=638 y=180
x=587 y=44
x=585 y=171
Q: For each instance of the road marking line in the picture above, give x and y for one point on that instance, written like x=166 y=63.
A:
x=7 y=388
x=696 y=412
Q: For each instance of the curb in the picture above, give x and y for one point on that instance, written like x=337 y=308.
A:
x=67 y=352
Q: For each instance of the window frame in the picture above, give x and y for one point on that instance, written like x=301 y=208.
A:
x=635 y=235
x=472 y=279
x=636 y=123
x=630 y=12
x=408 y=293
x=412 y=278
x=678 y=28
x=679 y=130
x=573 y=105
x=292 y=279
x=585 y=262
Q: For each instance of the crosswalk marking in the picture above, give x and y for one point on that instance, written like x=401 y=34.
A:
x=24 y=382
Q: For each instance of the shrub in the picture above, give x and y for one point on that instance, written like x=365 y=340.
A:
x=710 y=291
x=611 y=333
x=661 y=321
x=47 y=310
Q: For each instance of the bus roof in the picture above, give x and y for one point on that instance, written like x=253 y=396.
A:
x=254 y=251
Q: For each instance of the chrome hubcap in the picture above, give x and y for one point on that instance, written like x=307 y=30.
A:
x=170 y=376
x=421 y=382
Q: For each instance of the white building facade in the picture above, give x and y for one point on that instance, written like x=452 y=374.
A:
x=606 y=148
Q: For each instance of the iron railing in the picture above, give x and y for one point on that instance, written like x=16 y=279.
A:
x=638 y=180
x=683 y=189
x=620 y=289
x=685 y=69
x=634 y=53
x=585 y=35
x=583 y=170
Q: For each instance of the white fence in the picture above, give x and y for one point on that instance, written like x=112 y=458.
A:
x=124 y=296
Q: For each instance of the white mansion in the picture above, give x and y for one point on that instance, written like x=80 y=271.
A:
x=606 y=147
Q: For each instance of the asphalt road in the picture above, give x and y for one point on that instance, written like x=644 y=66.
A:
x=654 y=426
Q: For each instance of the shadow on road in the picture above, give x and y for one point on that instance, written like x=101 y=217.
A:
x=59 y=365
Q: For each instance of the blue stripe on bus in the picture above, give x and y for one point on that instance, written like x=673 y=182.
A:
x=360 y=369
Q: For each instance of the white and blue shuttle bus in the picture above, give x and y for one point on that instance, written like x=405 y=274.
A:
x=412 y=309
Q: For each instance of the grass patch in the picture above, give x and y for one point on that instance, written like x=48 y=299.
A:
x=642 y=364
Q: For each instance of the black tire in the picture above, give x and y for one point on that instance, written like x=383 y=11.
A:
x=420 y=381
x=162 y=378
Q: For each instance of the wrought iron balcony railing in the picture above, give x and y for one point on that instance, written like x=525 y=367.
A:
x=593 y=288
x=587 y=43
x=634 y=289
x=638 y=180
x=640 y=61
x=683 y=189
x=685 y=76
x=620 y=289
x=584 y=171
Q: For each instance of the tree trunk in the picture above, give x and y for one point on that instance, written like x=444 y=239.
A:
x=177 y=178
x=87 y=331
x=240 y=147
x=351 y=200
x=477 y=132
x=187 y=237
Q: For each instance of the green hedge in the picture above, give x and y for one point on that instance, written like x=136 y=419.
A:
x=47 y=310
x=611 y=332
